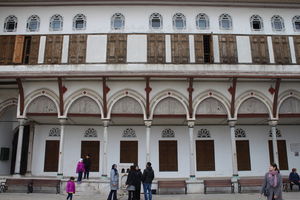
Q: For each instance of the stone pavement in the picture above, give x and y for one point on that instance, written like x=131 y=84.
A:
x=251 y=196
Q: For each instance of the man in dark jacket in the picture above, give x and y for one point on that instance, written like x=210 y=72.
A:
x=87 y=166
x=147 y=178
x=294 y=178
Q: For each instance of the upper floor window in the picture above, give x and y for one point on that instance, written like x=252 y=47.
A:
x=79 y=22
x=296 y=23
x=56 y=23
x=256 y=23
x=277 y=23
x=117 y=21
x=202 y=21
x=179 y=21
x=33 y=23
x=225 y=22
x=156 y=21
x=10 y=24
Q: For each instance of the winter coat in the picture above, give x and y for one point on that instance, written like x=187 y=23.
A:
x=70 y=188
x=148 y=175
x=294 y=177
x=131 y=178
x=80 y=167
x=139 y=176
x=276 y=191
x=87 y=164
x=114 y=180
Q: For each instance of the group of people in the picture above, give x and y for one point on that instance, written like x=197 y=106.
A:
x=83 y=168
x=133 y=183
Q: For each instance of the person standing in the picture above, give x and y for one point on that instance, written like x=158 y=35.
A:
x=294 y=178
x=131 y=183
x=139 y=175
x=147 y=178
x=70 y=188
x=79 y=170
x=272 y=185
x=114 y=183
x=87 y=166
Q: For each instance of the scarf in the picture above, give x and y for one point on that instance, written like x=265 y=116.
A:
x=273 y=177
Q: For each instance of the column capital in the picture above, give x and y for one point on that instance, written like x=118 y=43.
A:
x=273 y=122
x=191 y=124
x=22 y=121
x=232 y=123
x=62 y=121
x=105 y=123
x=148 y=123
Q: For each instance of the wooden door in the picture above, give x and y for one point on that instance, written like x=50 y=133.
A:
x=168 y=160
x=53 y=49
x=282 y=154
x=205 y=155
x=259 y=49
x=156 y=48
x=129 y=152
x=281 y=48
x=297 y=48
x=180 y=48
x=93 y=149
x=7 y=45
x=199 y=49
x=116 y=48
x=77 y=49
x=243 y=155
x=51 y=156
x=34 y=50
x=228 y=49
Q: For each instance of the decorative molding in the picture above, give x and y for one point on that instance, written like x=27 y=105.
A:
x=90 y=132
x=54 y=132
x=129 y=133
x=240 y=133
x=278 y=133
x=168 y=133
x=203 y=133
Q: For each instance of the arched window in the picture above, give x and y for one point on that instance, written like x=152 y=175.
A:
x=129 y=133
x=179 y=21
x=33 y=23
x=203 y=133
x=56 y=23
x=277 y=23
x=156 y=21
x=10 y=24
x=79 y=22
x=202 y=21
x=256 y=23
x=90 y=132
x=296 y=23
x=240 y=133
x=167 y=133
x=117 y=21
x=225 y=22
x=54 y=132
x=278 y=133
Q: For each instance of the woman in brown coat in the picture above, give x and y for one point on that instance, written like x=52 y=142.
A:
x=272 y=186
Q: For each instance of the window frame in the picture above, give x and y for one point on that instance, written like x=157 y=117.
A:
x=222 y=18
x=206 y=18
x=277 y=17
x=256 y=18
x=155 y=16
x=122 y=19
x=11 y=19
x=29 y=21
x=294 y=20
x=176 y=17
x=76 y=19
x=56 y=18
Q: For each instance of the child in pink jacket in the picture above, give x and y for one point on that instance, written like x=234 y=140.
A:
x=70 y=188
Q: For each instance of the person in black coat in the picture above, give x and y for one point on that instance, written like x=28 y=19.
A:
x=87 y=166
x=131 y=182
x=139 y=175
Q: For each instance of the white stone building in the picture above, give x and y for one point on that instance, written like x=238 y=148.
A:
x=199 y=88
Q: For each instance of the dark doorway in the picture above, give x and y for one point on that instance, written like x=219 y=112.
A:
x=92 y=148
x=282 y=154
x=168 y=160
x=51 y=156
x=129 y=152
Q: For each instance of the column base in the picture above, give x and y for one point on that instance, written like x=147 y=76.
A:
x=28 y=174
x=192 y=177
x=17 y=175
x=234 y=180
x=59 y=175
x=104 y=176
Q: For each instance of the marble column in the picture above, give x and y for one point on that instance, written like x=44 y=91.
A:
x=148 y=133
x=61 y=147
x=273 y=125
x=19 y=147
x=105 y=140
x=192 y=149
x=30 y=149
x=233 y=148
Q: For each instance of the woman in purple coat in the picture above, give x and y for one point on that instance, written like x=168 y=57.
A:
x=80 y=169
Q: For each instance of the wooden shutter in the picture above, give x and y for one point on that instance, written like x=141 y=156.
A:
x=18 y=49
x=199 y=48
x=259 y=49
x=282 y=154
x=77 y=49
x=53 y=49
x=228 y=49
x=92 y=148
x=168 y=160
x=180 y=48
x=243 y=155
x=116 y=48
x=281 y=48
x=297 y=47
x=156 y=48
x=129 y=152
x=7 y=45
x=205 y=155
x=51 y=156
x=34 y=50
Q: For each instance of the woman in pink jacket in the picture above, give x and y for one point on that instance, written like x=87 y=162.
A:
x=79 y=170
x=70 y=188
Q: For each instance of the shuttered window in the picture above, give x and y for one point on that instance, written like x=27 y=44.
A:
x=77 y=49
x=116 y=48
x=129 y=152
x=180 y=48
x=282 y=154
x=156 y=48
x=51 y=156
x=7 y=45
x=205 y=155
x=281 y=49
x=91 y=148
x=228 y=49
x=203 y=49
x=168 y=160
x=243 y=155
x=53 y=49
x=18 y=49
x=297 y=48
x=259 y=49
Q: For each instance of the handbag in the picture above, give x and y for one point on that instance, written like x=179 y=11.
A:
x=130 y=188
x=266 y=192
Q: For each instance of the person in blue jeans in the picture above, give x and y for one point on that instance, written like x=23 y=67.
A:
x=147 y=178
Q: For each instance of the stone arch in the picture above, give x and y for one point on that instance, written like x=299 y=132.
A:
x=256 y=95
x=290 y=94
x=81 y=94
x=123 y=94
x=169 y=94
x=8 y=103
x=42 y=93
x=214 y=95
